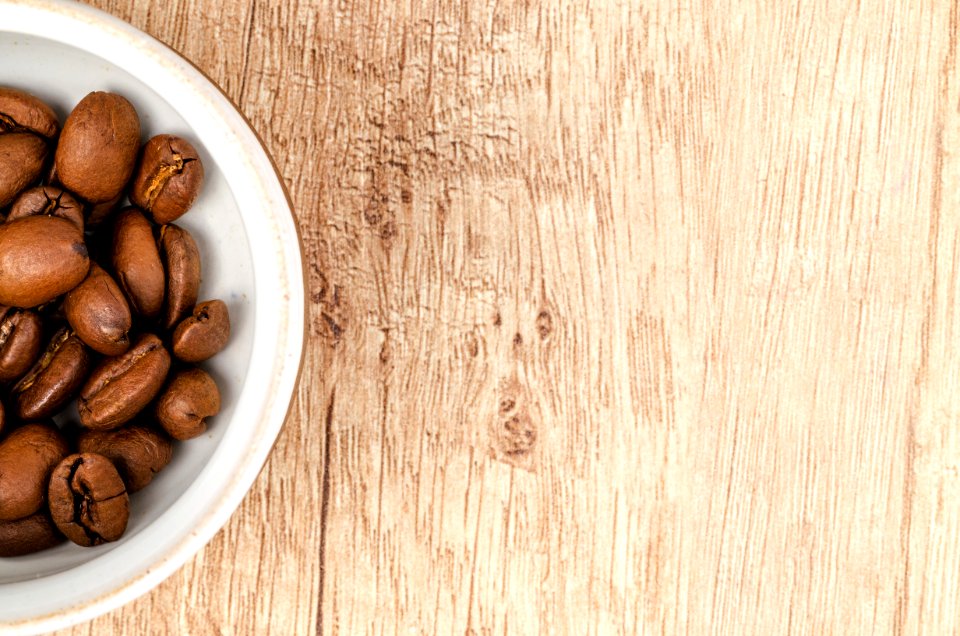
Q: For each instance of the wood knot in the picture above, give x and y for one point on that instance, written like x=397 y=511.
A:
x=388 y=231
x=497 y=319
x=544 y=324
x=517 y=340
x=517 y=436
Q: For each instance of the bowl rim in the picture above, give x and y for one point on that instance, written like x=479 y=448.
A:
x=287 y=368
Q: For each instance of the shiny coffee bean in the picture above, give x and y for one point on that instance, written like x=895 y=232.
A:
x=88 y=500
x=54 y=379
x=41 y=257
x=181 y=261
x=98 y=147
x=98 y=312
x=138 y=452
x=28 y=535
x=203 y=334
x=21 y=161
x=190 y=398
x=121 y=387
x=168 y=178
x=47 y=201
x=21 y=336
x=27 y=456
x=136 y=262
x=20 y=110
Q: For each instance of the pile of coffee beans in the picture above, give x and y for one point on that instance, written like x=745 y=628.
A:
x=98 y=308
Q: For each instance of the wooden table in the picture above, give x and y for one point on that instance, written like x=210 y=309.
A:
x=624 y=317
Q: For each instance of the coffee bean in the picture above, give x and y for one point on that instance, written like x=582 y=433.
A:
x=168 y=178
x=55 y=378
x=21 y=334
x=88 y=501
x=47 y=201
x=52 y=242
x=204 y=334
x=181 y=260
x=28 y=535
x=20 y=110
x=98 y=147
x=190 y=398
x=41 y=257
x=136 y=262
x=121 y=387
x=27 y=456
x=21 y=162
x=100 y=212
x=138 y=452
x=99 y=314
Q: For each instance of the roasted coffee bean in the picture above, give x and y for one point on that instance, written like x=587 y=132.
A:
x=41 y=257
x=100 y=212
x=99 y=314
x=136 y=262
x=138 y=452
x=190 y=398
x=181 y=260
x=47 y=201
x=98 y=147
x=55 y=378
x=27 y=456
x=121 y=387
x=28 y=535
x=204 y=334
x=168 y=179
x=21 y=161
x=88 y=501
x=21 y=335
x=57 y=187
x=20 y=110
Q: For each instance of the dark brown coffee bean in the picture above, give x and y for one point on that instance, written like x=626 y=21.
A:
x=168 y=178
x=190 y=398
x=138 y=452
x=21 y=335
x=100 y=212
x=181 y=260
x=88 y=501
x=28 y=535
x=99 y=314
x=121 y=387
x=204 y=334
x=136 y=262
x=20 y=110
x=21 y=161
x=98 y=147
x=27 y=456
x=54 y=379
x=47 y=201
x=41 y=257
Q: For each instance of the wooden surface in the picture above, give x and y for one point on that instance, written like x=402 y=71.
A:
x=625 y=317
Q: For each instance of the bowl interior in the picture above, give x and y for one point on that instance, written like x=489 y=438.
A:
x=62 y=75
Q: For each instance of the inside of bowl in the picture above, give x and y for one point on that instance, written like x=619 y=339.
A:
x=62 y=75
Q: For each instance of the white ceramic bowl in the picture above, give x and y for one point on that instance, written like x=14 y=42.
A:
x=251 y=255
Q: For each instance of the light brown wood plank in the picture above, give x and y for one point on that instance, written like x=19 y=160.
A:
x=625 y=317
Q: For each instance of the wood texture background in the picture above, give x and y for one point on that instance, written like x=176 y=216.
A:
x=625 y=317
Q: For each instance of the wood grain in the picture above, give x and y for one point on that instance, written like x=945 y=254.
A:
x=625 y=317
